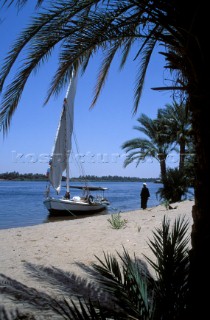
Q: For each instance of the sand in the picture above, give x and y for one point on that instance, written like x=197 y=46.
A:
x=64 y=244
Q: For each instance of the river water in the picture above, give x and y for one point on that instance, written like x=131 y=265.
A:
x=21 y=202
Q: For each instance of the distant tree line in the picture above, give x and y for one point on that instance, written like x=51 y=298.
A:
x=25 y=176
x=114 y=178
x=39 y=177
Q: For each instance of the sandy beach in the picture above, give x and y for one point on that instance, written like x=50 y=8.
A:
x=65 y=244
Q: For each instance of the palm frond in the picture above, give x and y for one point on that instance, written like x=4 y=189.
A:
x=127 y=284
x=81 y=28
x=104 y=71
x=144 y=62
x=15 y=314
x=170 y=248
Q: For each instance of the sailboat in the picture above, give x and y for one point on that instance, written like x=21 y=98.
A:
x=86 y=203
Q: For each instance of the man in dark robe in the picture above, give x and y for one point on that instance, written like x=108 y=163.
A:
x=144 y=194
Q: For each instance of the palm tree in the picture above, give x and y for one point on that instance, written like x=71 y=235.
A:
x=156 y=146
x=175 y=120
x=81 y=28
x=175 y=186
x=170 y=128
x=176 y=127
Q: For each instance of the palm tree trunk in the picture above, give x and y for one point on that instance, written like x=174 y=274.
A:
x=162 y=160
x=200 y=236
x=182 y=155
x=194 y=18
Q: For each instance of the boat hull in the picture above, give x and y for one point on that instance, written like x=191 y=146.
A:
x=71 y=207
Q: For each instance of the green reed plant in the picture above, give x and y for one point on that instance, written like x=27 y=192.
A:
x=166 y=203
x=116 y=221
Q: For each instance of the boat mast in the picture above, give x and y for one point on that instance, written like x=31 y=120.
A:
x=69 y=124
x=63 y=141
x=67 y=179
x=67 y=170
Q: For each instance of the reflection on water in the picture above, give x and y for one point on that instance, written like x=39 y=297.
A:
x=67 y=217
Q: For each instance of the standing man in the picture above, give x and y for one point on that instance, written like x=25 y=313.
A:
x=144 y=196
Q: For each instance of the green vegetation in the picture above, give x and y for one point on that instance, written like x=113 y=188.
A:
x=153 y=145
x=170 y=131
x=26 y=176
x=175 y=186
x=114 y=179
x=116 y=221
x=37 y=176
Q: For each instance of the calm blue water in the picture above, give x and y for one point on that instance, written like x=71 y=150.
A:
x=21 y=202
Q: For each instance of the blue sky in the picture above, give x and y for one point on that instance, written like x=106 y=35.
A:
x=100 y=131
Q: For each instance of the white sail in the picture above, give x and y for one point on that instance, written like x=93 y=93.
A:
x=86 y=203
x=62 y=147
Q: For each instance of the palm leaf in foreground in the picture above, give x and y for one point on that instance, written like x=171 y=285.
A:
x=127 y=283
x=171 y=267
